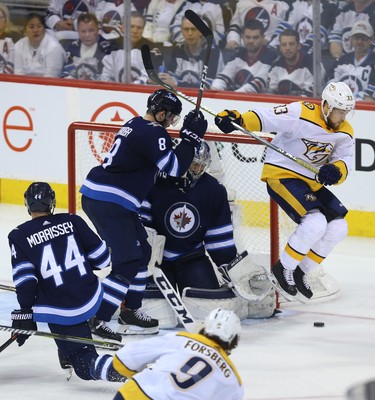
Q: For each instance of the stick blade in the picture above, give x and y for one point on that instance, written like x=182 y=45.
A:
x=197 y=21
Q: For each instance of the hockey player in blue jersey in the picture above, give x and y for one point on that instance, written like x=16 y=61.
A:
x=112 y=195
x=53 y=258
x=193 y=214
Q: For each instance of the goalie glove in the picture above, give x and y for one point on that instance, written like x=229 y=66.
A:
x=23 y=319
x=224 y=119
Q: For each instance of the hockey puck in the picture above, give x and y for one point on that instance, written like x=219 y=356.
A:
x=319 y=324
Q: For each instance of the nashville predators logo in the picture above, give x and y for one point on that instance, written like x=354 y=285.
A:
x=182 y=220
x=310 y=197
x=317 y=152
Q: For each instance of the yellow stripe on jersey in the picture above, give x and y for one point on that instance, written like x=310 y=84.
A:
x=315 y=257
x=294 y=253
x=271 y=171
x=208 y=342
x=131 y=391
x=282 y=191
x=121 y=368
x=311 y=113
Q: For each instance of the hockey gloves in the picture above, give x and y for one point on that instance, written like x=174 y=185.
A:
x=329 y=174
x=224 y=120
x=23 y=319
x=193 y=128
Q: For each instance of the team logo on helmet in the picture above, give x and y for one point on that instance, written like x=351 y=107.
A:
x=260 y=14
x=72 y=8
x=317 y=152
x=182 y=220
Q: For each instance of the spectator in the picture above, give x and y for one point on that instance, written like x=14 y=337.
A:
x=370 y=91
x=9 y=35
x=248 y=72
x=292 y=72
x=184 y=62
x=354 y=68
x=84 y=56
x=61 y=16
x=269 y=12
x=110 y=14
x=38 y=53
x=356 y=10
x=209 y=11
x=159 y=16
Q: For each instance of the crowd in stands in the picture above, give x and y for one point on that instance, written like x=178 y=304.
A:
x=259 y=47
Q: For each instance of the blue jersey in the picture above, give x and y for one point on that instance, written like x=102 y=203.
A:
x=53 y=258
x=141 y=148
x=196 y=220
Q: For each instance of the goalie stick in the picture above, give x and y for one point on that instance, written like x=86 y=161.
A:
x=102 y=344
x=174 y=300
x=146 y=57
x=206 y=32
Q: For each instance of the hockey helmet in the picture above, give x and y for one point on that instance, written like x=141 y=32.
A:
x=39 y=197
x=337 y=95
x=222 y=324
x=201 y=162
x=163 y=100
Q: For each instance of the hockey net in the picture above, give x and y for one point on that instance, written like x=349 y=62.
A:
x=260 y=227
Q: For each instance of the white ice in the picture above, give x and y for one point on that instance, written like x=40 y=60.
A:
x=282 y=358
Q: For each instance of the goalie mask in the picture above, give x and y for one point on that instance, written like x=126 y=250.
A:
x=162 y=100
x=200 y=163
x=39 y=197
x=337 y=95
x=222 y=324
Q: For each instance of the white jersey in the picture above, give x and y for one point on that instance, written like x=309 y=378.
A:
x=113 y=67
x=47 y=60
x=269 y=12
x=185 y=366
x=210 y=12
x=303 y=133
x=6 y=55
x=158 y=18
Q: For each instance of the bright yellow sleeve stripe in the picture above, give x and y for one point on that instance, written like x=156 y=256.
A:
x=119 y=366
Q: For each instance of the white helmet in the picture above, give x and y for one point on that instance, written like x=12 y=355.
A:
x=337 y=95
x=223 y=324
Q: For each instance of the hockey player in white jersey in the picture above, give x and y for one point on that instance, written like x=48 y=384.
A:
x=320 y=136
x=184 y=365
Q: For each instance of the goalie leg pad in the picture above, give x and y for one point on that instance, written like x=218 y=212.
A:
x=159 y=308
x=201 y=302
x=157 y=243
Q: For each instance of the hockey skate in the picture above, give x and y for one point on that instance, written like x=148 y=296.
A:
x=66 y=365
x=282 y=280
x=101 y=329
x=303 y=287
x=136 y=322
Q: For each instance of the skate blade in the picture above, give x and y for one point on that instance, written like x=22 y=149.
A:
x=127 y=330
x=288 y=297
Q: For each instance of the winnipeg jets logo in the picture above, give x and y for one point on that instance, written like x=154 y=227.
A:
x=317 y=152
x=182 y=220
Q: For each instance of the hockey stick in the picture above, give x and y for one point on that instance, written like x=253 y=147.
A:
x=146 y=56
x=206 y=32
x=237 y=290
x=7 y=287
x=102 y=344
x=8 y=342
x=174 y=300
